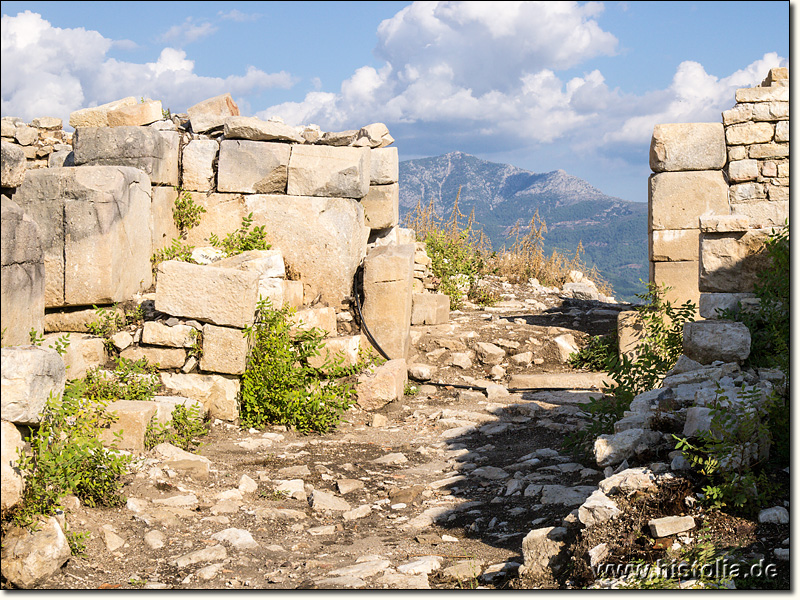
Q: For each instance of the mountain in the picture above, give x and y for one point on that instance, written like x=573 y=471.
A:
x=613 y=231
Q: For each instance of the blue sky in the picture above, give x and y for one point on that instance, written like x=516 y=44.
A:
x=554 y=85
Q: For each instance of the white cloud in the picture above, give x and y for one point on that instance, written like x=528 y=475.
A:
x=72 y=71
x=238 y=16
x=188 y=32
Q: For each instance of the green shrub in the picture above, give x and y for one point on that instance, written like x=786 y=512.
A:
x=186 y=213
x=129 y=380
x=279 y=386
x=596 y=354
x=243 y=239
x=177 y=251
x=182 y=430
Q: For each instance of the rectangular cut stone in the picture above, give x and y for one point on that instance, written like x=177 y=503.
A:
x=678 y=200
x=430 y=309
x=165 y=358
x=682 y=277
x=224 y=350
x=560 y=381
x=253 y=167
x=749 y=133
x=198 y=165
x=675 y=244
x=330 y=171
x=770 y=111
x=782 y=131
x=740 y=113
x=771 y=150
x=162 y=222
x=743 y=170
x=142 y=113
x=345 y=348
x=382 y=206
x=84 y=352
x=630 y=331
x=281 y=292
x=30 y=375
x=319 y=318
x=763 y=94
x=211 y=113
x=133 y=416
x=154 y=152
x=712 y=303
x=747 y=192
x=97 y=116
x=217 y=393
x=388 y=277
x=323 y=240
x=384 y=166
x=225 y=297
x=687 y=147
x=92 y=221
x=724 y=224
x=224 y=214
x=252 y=128
x=670 y=526
x=731 y=262
x=175 y=336
x=778 y=193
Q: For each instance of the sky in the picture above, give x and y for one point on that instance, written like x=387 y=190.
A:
x=576 y=86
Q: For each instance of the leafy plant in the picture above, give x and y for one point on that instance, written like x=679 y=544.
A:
x=77 y=541
x=279 y=386
x=177 y=251
x=186 y=213
x=243 y=239
x=129 y=380
x=109 y=321
x=182 y=430
x=61 y=344
x=596 y=354
x=36 y=339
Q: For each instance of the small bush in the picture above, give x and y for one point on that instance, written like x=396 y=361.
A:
x=177 y=251
x=596 y=354
x=243 y=239
x=182 y=430
x=279 y=386
x=130 y=380
x=186 y=213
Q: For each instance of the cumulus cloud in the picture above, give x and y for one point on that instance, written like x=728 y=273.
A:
x=188 y=32
x=72 y=71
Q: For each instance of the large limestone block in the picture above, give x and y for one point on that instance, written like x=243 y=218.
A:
x=217 y=393
x=198 y=165
x=388 y=297
x=224 y=350
x=164 y=358
x=430 y=309
x=30 y=375
x=384 y=166
x=253 y=128
x=382 y=206
x=339 y=172
x=323 y=240
x=732 y=261
x=11 y=480
x=224 y=214
x=385 y=385
x=211 y=113
x=749 y=133
x=174 y=336
x=142 y=113
x=678 y=200
x=225 y=297
x=73 y=320
x=675 y=244
x=281 y=292
x=707 y=341
x=334 y=349
x=561 y=381
x=22 y=277
x=162 y=223
x=612 y=449
x=630 y=332
x=154 y=152
x=84 y=352
x=32 y=555
x=97 y=116
x=682 y=276
x=763 y=94
x=316 y=318
x=12 y=165
x=267 y=263
x=711 y=304
x=253 y=167
x=542 y=551
x=687 y=147
x=133 y=416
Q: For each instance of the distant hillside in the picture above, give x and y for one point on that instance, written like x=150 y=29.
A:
x=613 y=231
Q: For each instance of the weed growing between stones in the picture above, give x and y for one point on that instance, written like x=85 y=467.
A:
x=129 y=380
x=279 y=386
x=185 y=212
x=596 y=354
x=243 y=239
x=658 y=351
x=110 y=321
x=177 y=251
x=182 y=430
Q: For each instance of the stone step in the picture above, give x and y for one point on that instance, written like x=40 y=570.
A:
x=561 y=381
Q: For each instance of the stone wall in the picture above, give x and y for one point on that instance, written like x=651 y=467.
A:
x=717 y=191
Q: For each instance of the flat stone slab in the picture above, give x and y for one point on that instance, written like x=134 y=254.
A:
x=560 y=381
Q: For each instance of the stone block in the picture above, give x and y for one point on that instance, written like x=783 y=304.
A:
x=280 y=292
x=320 y=318
x=374 y=135
x=687 y=147
x=598 y=508
x=724 y=224
x=670 y=525
x=175 y=459
x=430 y=309
x=740 y=113
x=72 y=320
x=84 y=352
x=612 y=449
x=162 y=223
x=560 y=381
x=10 y=478
x=682 y=276
x=253 y=167
x=254 y=129
x=224 y=214
x=744 y=134
x=384 y=166
x=768 y=151
x=97 y=116
x=211 y=113
x=61 y=158
x=743 y=170
x=763 y=214
x=385 y=385
x=347 y=348
x=678 y=200
x=217 y=393
x=225 y=297
x=675 y=245
x=323 y=240
x=382 y=206
x=175 y=336
x=731 y=262
x=224 y=350
x=141 y=113
x=542 y=551
x=22 y=278
x=388 y=277
x=712 y=303
x=698 y=420
x=12 y=165
x=763 y=94
x=747 y=192
x=165 y=358
x=31 y=557
x=630 y=332
x=133 y=416
x=154 y=152
x=165 y=405
x=782 y=131
x=707 y=341
x=339 y=172
x=266 y=263
x=198 y=165
x=30 y=375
